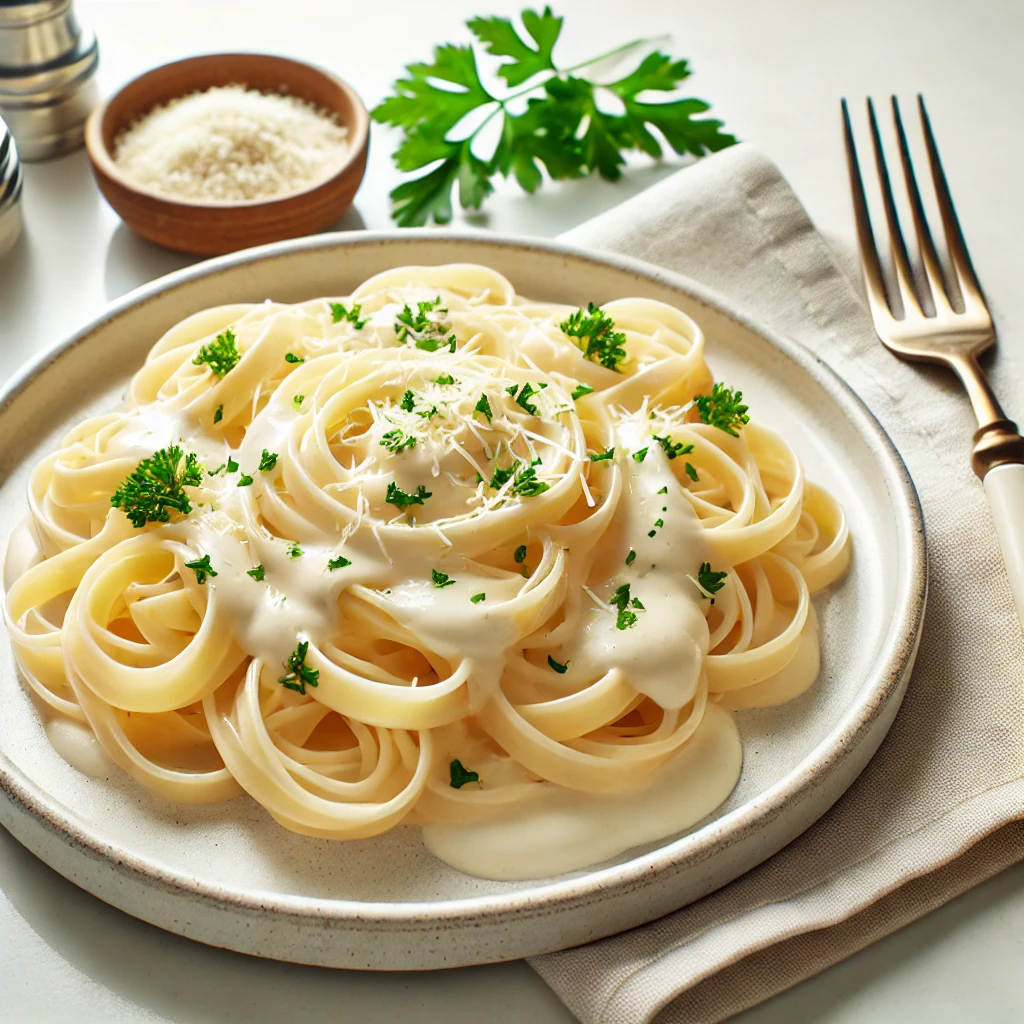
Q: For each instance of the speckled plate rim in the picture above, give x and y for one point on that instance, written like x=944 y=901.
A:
x=816 y=771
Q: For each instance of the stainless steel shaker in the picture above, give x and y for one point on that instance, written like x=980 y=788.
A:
x=10 y=190
x=47 y=76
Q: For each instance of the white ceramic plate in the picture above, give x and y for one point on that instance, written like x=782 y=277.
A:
x=230 y=876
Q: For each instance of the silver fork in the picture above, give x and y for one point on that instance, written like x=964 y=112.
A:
x=948 y=336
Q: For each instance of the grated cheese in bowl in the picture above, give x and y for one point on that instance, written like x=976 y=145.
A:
x=231 y=144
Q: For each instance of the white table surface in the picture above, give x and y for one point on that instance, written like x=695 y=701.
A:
x=775 y=72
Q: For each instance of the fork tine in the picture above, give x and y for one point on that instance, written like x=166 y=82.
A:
x=958 y=253
x=901 y=261
x=929 y=256
x=873 y=280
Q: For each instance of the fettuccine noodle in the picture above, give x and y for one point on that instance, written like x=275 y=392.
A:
x=438 y=567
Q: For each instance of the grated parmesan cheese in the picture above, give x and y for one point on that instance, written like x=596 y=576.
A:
x=231 y=144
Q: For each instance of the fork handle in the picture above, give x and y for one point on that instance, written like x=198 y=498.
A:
x=1004 y=485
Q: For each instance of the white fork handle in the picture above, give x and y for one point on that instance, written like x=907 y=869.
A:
x=1004 y=486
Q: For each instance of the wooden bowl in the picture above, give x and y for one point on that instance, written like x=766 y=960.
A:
x=213 y=228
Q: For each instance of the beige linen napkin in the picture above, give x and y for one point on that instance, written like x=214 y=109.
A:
x=937 y=810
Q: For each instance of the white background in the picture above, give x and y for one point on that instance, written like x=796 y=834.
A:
x=774 y=71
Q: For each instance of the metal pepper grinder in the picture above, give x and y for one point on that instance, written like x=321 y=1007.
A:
x=47 y=76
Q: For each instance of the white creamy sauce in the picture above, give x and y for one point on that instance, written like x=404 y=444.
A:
x=567 y=831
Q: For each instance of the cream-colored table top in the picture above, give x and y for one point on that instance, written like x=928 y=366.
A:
x=775 y=73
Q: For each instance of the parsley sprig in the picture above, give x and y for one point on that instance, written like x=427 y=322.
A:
x=723 y=408
x=156 y=487
x=710 y=582
x=202 y=568
x=622 y=600
x=673 y=449
x=403 y=499
x=593 y=331
x=339 y=312
x=299 y=674
x=553 y=124
x=397 y=440
x=221 y=355
x=459 y=775
x=426 y=332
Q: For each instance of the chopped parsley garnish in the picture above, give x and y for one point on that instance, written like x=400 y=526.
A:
x=477 y=598
x=408 y=401
x=580 y=390
x=403 y=499
x=219 y=414
x=512 y=390
x=659 y=523
x=631 y=557
x=691 y=472
x=441 y=579
x=156 y=486
x=460 y=775
x=621 y=600
x=664 y=490
x=483 y=406
x=558 y=666
x=291 y=357
x=526 y=484
x=297 y=400
x=652 y=533
x=520 y=554
x=636 y=603
x=710 y=582
x=444 y=380
x=221 y=355
x=338 y=563
x=245 y=480
x=673 y=449
x=202 y=568
x=339 y=312
x=603 y=456
x=268 y=460
x=214 y=472
x=640 y=455
x=257 y=574
x=397 y=440
x=527 y=391
x=723 y=408
x=299 y=674
x=294 y=551
x=232 y=465
x=594 y=333
x=502 y=476
x=428 y=334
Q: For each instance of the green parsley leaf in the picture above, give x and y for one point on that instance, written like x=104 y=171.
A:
x=723 y=408
x=636 y=603
x=219 y=414
x=294 y=551
x=299 y=674
x=297 y=400
x=640 y=455
x=580 y=390
x=408 y=401
x=672 y=448
x=397 y=440
x=527 y=391
x=291 y=357
x=477 y=598
x=232 y=465
x=268 y=460
x=659 y=523
x=558 y=666
x=338 y=563
x=604 y=456
x=710 y=582
x=520 y=553
x=202 y=568
x=594 y=333
x=257 y=574
x=664 y=490
x=426 y=332
x=403 y=499
x=483 y=406
x=339 y=313
x=621 y=600
x=526 y=484
x=444 y=380
x=563 y=129
x=156 y=487
x=245 y=480
x=512 y=390
x=631 y=557
x=441 y=579
x=691 y=472
x=460 y=775
x=221 y=355
x=501 y=477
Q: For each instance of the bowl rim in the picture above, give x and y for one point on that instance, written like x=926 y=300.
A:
x=889 y=673
x=102 y=158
